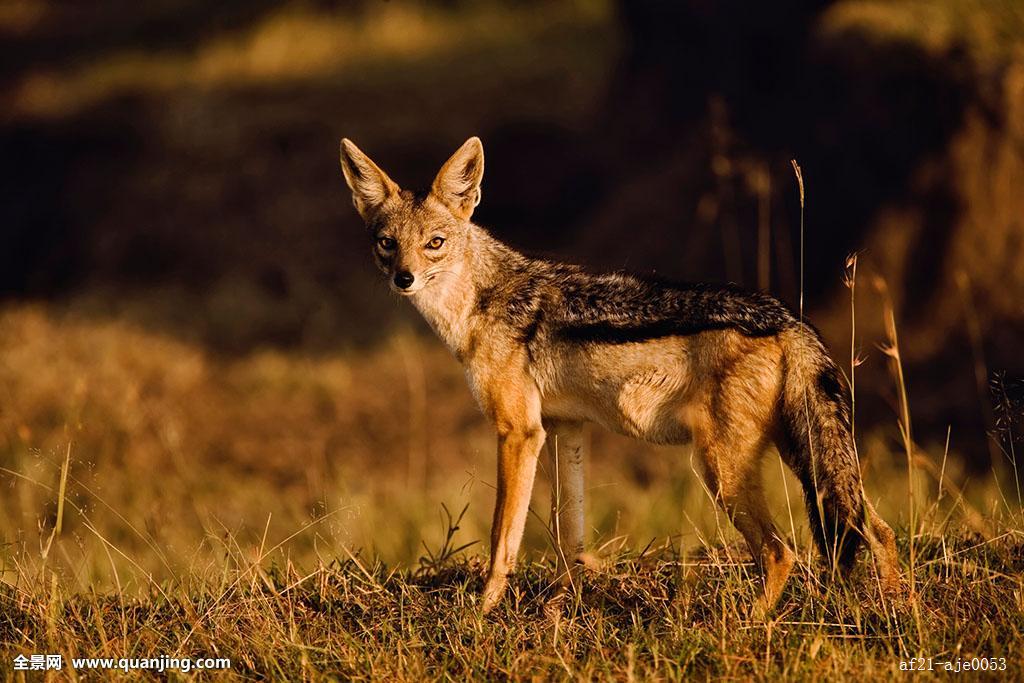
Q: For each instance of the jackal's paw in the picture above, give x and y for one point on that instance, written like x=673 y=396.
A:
x=591 y=562
x=894 y=590
x=765 y=605
x=493 y=592
x=761 y=609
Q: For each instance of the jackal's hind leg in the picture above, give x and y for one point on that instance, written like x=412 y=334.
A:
x=736 y=483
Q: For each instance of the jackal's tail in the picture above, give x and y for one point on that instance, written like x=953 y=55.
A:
x=819 y=445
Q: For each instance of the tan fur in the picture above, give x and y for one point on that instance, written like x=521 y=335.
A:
x=719 y=389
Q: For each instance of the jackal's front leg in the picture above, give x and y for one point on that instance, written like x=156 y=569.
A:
x=518 y=448
x=565 y=447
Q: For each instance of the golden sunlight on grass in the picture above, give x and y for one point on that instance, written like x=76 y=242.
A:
x=19 y=15
x=988 y=30
x=293 y=45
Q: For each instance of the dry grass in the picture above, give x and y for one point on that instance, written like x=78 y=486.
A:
x=356 y=618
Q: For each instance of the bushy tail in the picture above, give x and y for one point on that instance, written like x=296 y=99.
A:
x=820 y=449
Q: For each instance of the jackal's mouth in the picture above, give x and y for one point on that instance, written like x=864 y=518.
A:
x=407 y=292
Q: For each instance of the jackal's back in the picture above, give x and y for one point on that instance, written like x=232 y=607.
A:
x=551 y=302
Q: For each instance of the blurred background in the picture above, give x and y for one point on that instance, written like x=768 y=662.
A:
x=191 y=319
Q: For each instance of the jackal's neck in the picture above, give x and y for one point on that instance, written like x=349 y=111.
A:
x=450 y=305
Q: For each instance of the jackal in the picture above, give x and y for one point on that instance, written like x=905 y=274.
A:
x=548 y=347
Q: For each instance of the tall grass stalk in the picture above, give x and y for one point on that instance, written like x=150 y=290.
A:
x=800 y=183
x=892 y=350
x=850 y=280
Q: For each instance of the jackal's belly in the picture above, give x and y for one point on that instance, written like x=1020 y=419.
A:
x=653 y=405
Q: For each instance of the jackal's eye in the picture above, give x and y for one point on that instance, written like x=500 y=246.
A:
x=386 y=243
x=435 y=243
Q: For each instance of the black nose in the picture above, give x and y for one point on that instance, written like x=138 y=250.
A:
x=403 y=279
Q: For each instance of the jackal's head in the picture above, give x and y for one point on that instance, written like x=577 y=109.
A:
x=418 y=237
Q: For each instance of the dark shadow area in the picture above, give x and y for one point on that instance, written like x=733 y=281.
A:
x=747 y=83
x=71 y=32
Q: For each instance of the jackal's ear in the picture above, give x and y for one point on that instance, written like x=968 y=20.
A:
x=458 y=182
x=370 y=186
